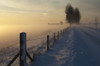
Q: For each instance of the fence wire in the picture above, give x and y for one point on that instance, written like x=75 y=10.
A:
x=6 y=54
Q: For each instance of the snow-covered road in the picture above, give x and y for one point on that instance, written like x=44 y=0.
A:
x=78 y=47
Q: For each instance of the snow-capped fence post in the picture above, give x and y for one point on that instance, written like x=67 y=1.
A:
x=54 y=38
x=48 y=42
x=61 y=32
x=23 y=49
x=58 y=35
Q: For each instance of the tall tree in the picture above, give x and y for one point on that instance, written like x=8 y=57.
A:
x=72 y=15
x=69 y=13
x=77 y=16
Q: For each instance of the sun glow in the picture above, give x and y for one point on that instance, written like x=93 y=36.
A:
x=1 y=27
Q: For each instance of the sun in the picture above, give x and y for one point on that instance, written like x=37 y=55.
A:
x=3 y=28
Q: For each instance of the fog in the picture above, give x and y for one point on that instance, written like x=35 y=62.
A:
x=9 y=34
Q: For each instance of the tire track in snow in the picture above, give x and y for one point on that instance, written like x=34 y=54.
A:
x=92 y=36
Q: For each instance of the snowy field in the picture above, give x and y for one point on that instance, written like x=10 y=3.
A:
x=65 y=49
x=34 y=43
x=80 y=46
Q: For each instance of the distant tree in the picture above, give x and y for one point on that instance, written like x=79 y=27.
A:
x=69 y=13
x=77 y=16
x=72 y=15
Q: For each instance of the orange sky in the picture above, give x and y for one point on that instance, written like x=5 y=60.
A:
x=28 y=12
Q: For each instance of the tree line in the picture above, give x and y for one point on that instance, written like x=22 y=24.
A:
x=73 y=16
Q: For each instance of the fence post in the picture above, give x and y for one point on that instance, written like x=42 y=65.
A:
x=64 y=30
x=23 y=49
x=48 y=42
x=54 y=37
x=61 y=33
x=58 y=35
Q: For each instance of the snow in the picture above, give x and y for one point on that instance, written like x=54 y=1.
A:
x=80 y=46
x=35 y=44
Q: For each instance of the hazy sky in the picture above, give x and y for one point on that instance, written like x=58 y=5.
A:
x=14 y=12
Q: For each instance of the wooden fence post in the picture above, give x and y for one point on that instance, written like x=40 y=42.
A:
x=64 y=30
x=61 y=33
x=54 y=38
x=58 y=35
x=48 y=47
x=23 y=49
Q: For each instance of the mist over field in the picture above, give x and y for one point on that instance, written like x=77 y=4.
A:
x=49 y=32
x=9 y=34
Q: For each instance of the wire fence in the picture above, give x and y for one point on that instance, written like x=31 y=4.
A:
x=7 y=54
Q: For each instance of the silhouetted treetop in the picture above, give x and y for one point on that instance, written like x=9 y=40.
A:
x=72 y=15
x=69 y=13
x=77 y=15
